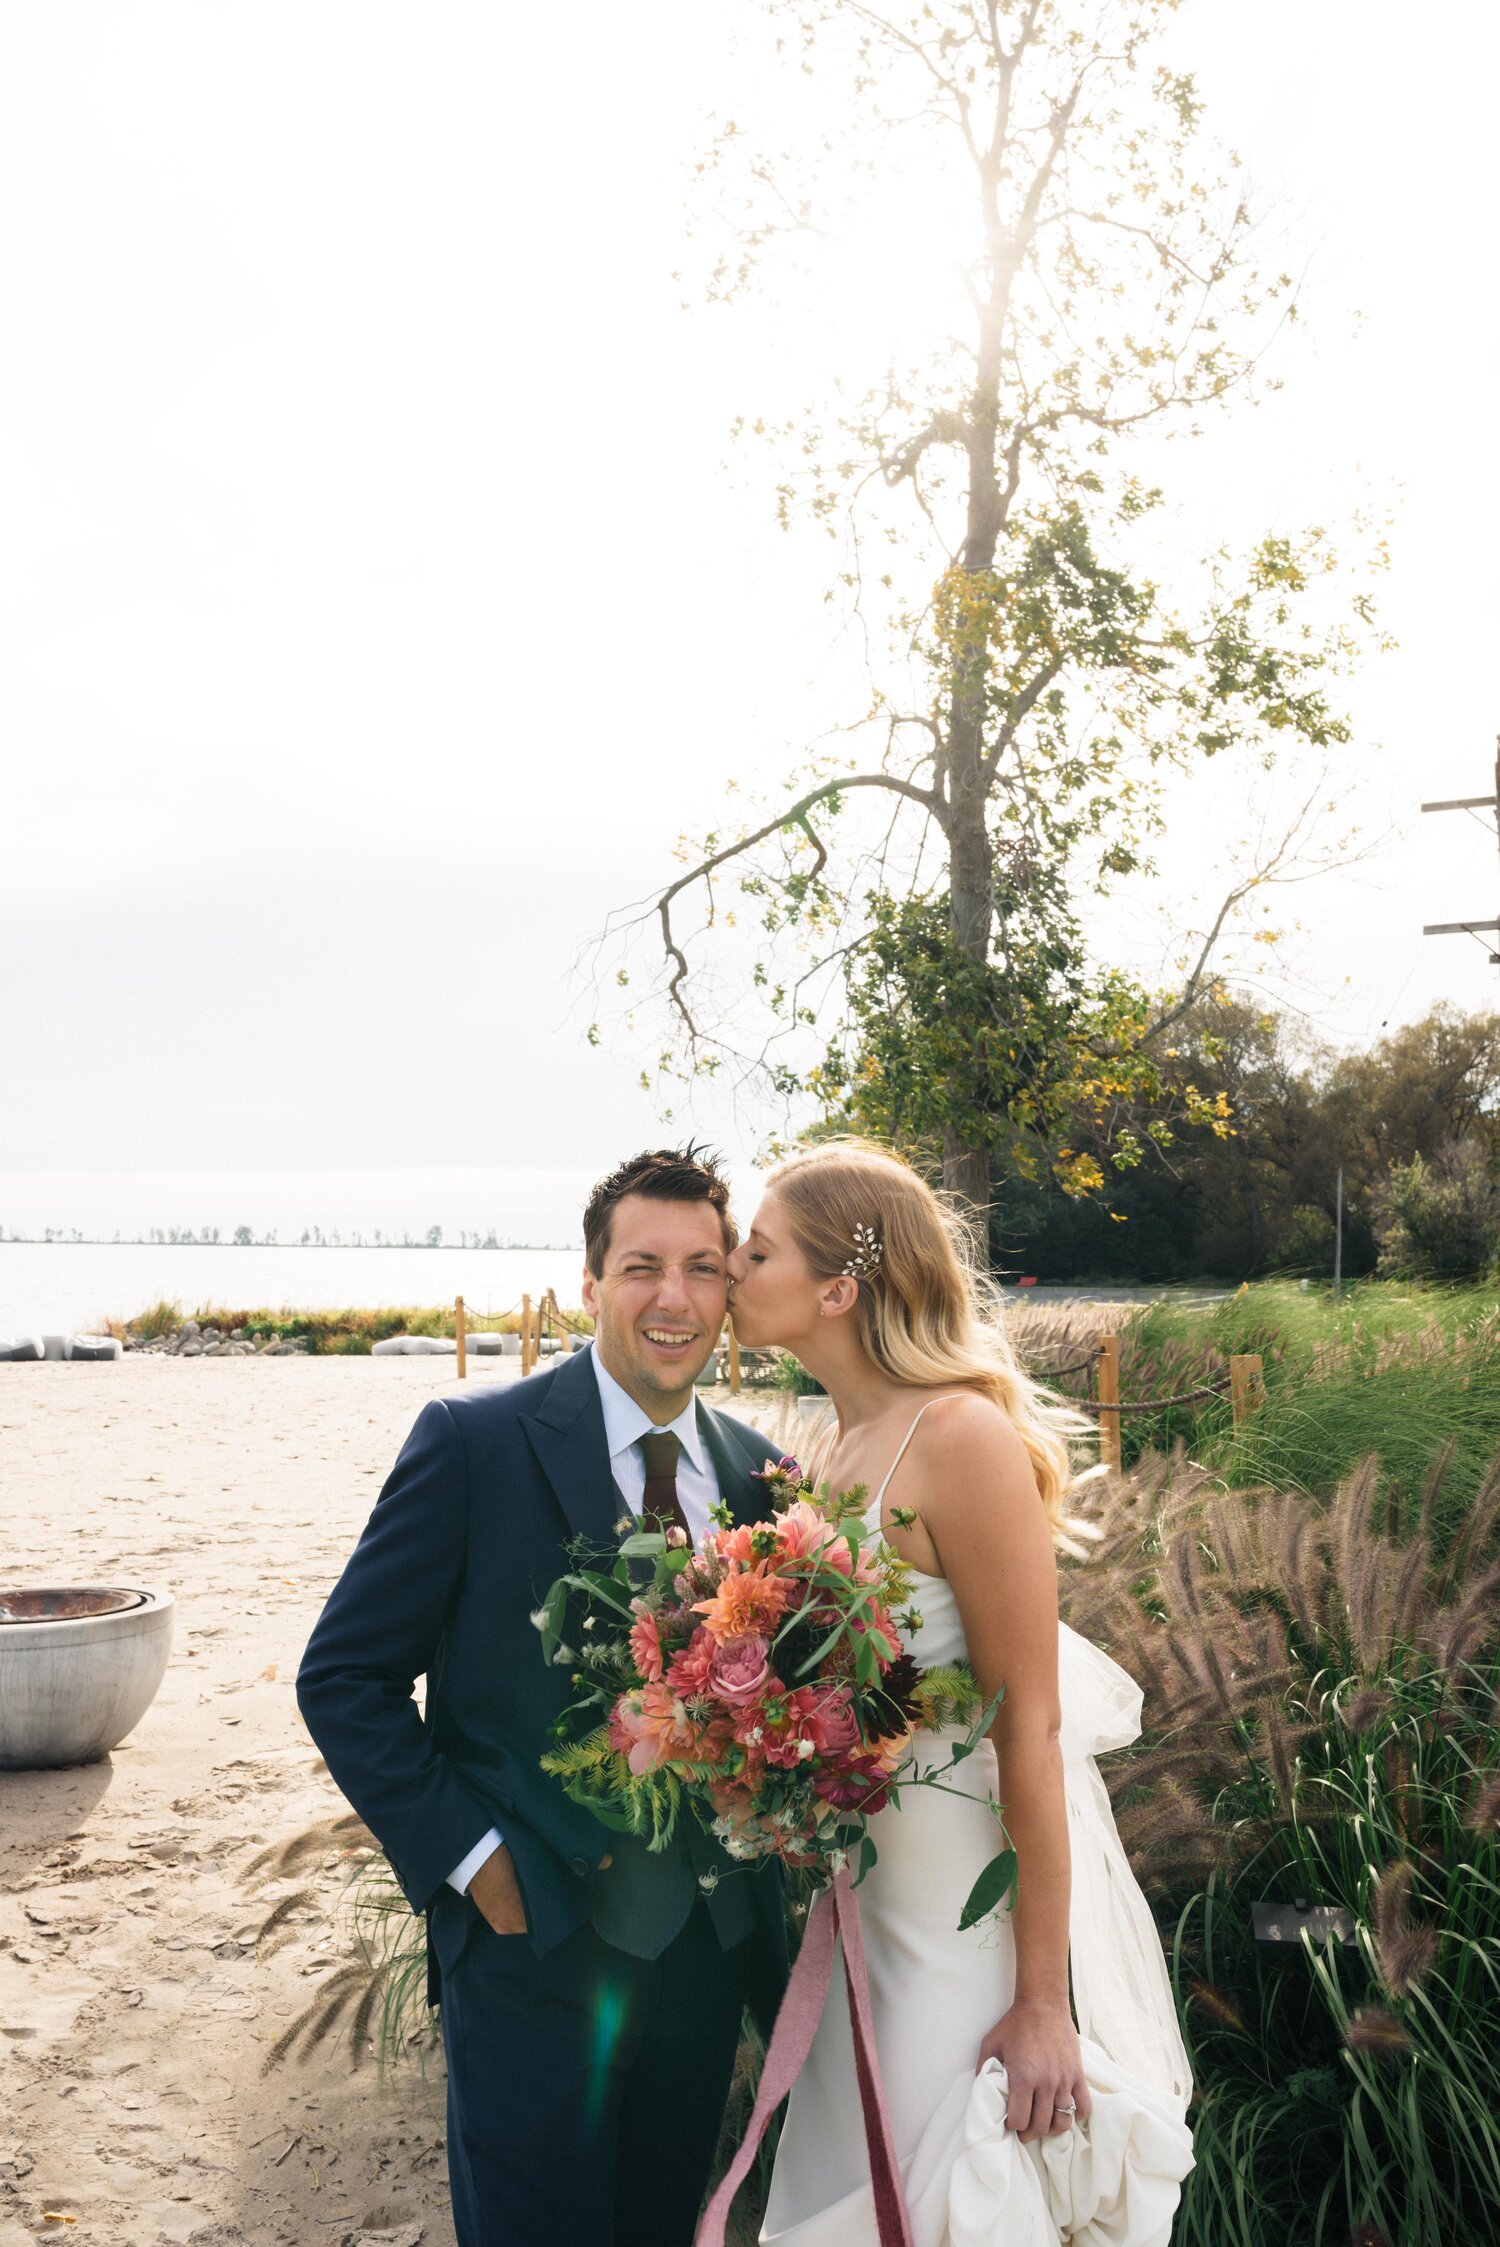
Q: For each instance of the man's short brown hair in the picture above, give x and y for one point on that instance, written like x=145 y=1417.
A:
x=669 y=1174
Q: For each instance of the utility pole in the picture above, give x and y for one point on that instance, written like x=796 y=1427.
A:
x=1470 y=803
x=1338 y=1241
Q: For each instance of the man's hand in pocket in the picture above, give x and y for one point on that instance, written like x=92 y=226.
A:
x=497 y=1892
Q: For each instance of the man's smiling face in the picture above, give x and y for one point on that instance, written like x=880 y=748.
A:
x=658 y=1302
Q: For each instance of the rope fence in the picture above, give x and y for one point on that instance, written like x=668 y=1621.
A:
x=1244 y=1383
x=1159 y=1404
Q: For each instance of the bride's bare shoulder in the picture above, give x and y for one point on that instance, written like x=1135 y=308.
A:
x=970 y=1447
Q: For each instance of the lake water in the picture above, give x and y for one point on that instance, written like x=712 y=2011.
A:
x=68 y=1287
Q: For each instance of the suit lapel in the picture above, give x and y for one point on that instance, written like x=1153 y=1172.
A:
x=745 y=1498
x=566 y=1432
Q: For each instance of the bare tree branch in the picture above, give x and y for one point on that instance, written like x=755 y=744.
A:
x=1021 y=709
x=795 y=815
x=1277 y=869
x=944 y=429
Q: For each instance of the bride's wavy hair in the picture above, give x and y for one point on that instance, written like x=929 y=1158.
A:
x=928 y=1316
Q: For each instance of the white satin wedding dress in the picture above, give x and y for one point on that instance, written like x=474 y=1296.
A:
x=935 y=1994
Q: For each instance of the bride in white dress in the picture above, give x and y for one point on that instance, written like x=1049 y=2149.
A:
x=1015 y=2124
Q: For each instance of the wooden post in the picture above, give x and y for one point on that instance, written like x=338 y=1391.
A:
x=1247 y=1388
x=734 y=1361
x=1108 y=1386
x=458 y=1329
x=525 y=1335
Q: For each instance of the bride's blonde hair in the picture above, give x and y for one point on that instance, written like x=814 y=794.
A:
x=927 y=1315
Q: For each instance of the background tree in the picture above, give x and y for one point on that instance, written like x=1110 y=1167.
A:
x=995 y=510
x=1423 y=1087
x=1414 y=1124
x=1441 y=1219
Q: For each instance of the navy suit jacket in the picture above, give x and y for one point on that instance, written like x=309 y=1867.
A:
x=468 y=1533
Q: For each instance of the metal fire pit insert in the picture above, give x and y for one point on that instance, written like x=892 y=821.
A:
x=65 y=1605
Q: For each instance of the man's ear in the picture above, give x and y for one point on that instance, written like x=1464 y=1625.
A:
x=590 y=1293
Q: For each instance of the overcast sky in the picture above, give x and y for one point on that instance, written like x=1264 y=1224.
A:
x=378 y=608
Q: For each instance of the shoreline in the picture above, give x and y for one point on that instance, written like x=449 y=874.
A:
x=74 y=1287
x=486 y=1247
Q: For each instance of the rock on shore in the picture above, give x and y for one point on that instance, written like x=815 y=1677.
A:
x=191 y=1340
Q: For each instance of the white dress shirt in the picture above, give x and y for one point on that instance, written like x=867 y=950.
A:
x=625 y=1422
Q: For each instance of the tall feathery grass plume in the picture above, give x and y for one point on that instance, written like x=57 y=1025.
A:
x=1321 y=1684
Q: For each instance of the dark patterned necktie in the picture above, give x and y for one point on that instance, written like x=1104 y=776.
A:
x=661 y=1507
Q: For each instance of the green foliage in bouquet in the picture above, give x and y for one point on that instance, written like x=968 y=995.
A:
x=595 y=1774
x=1322 y=1695
x=594 y=1605
x=791 y=1756
x=946 y=1696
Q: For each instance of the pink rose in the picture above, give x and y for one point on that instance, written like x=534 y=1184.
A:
x=740 y=1670
x=832 y=1725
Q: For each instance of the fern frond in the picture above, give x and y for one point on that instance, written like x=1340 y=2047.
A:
x=592 y=1761
x=946 y=1696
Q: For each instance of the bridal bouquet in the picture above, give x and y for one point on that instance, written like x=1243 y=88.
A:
x=760 y=1681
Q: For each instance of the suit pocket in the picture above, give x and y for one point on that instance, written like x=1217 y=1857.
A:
x=451 y=1921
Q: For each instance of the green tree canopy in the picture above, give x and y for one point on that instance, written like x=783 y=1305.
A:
x=915 y=896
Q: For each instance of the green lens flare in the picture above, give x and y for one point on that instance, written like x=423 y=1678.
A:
x=609 y=2021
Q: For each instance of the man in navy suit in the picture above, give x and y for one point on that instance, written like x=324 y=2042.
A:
x=591 y=1991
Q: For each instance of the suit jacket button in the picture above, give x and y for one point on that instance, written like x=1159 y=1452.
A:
x=582 y=1867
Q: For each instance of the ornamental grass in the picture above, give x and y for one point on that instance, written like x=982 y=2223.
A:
x=1399 y=1370
x=1322 y=1688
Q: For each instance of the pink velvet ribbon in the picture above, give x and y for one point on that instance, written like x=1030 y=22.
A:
x=835 y=1912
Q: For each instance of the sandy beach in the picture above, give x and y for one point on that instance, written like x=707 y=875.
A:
x=135 y=2014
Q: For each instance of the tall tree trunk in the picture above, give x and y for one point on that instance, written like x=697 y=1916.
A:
x=971 y=887
x=971 y=911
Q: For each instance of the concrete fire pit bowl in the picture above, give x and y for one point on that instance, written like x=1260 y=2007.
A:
x=80 y=1665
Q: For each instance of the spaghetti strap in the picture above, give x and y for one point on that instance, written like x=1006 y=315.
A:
x=878 y=1500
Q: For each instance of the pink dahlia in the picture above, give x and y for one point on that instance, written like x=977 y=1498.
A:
x=734 y=1545
x=687 y=1673
x=750 y=1601
x=645 y=1644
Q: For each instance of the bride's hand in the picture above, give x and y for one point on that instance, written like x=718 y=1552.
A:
x=1038 y=2047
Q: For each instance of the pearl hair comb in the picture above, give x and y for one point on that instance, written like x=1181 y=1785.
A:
x=868 y=1250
